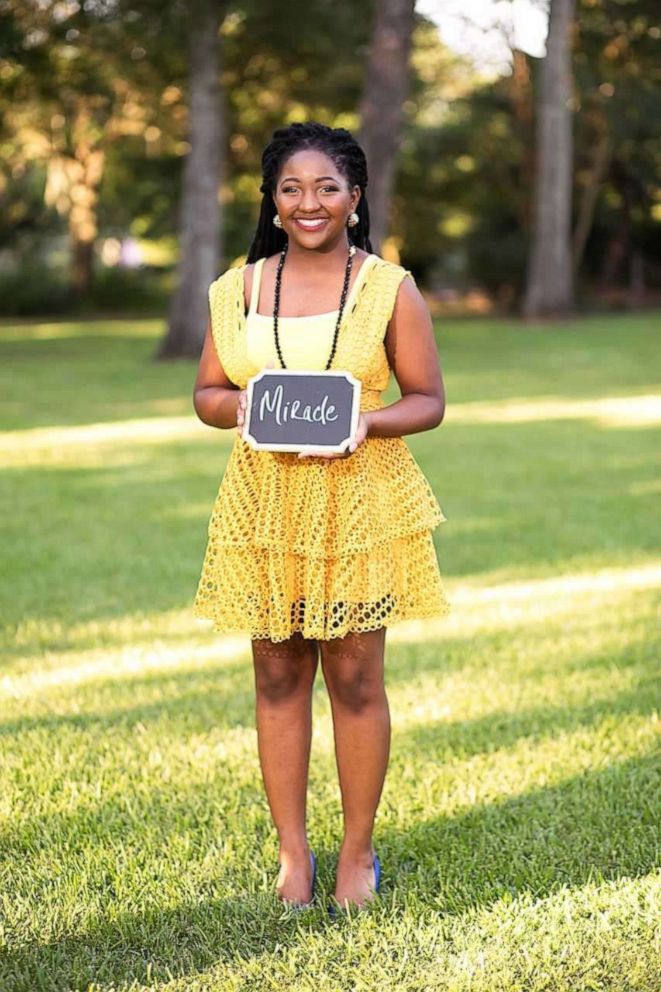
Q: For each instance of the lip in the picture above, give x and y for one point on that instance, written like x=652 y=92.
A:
x=304 y=227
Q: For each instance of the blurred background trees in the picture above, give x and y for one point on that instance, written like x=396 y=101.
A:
x=107 y=152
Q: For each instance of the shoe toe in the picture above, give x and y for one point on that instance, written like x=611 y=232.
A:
x=377 y=873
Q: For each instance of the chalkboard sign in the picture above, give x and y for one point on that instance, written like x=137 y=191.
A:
x=296 y=410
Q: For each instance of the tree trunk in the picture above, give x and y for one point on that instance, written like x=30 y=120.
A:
x=82 y=264
x=381 y=106
x=199 y=218
x=549 y=289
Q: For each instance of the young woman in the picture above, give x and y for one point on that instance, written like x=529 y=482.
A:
x=315 y=555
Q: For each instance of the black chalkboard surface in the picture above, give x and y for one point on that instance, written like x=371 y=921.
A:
x=296 y=410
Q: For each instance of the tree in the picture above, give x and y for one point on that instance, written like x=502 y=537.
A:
x=549 y=289
x=618 y=134
x=199 y=214
x=381 y=106
x=76 y=84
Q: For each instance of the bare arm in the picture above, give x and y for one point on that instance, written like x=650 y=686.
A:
x=413 y=357
x=215 y=397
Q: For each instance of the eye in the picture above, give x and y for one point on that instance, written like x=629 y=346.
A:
x=292 y=189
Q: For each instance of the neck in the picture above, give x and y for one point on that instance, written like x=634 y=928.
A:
x=327 y=256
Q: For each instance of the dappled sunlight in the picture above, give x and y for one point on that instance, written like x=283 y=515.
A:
x=451 y=784
x=528 y=692
x=645 y=488
x=45 y=443
x=540 y=663
x=499 y=950
x=606 y=411
x=489 y=607
x=49 y=644
x=109 y=327
x=102 y=664
x=138 y=644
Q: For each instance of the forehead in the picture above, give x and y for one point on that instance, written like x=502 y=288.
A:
x=309 y=163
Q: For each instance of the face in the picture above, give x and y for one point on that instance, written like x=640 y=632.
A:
x=311 y=187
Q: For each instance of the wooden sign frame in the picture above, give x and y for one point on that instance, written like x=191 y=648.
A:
x=299 y=447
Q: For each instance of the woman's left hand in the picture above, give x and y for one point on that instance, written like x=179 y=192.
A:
x=357 y=438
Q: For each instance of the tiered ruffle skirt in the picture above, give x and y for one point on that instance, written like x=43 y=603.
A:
x=321 y=546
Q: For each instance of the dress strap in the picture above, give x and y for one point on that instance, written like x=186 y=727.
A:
x=256 y=283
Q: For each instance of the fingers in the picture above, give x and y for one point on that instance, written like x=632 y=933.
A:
x=356 y=440
x=241 y=411
x=324 y=454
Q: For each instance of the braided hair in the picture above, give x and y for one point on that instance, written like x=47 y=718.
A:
x=340 y=146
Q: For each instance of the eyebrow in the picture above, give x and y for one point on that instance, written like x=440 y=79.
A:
x=289 y=179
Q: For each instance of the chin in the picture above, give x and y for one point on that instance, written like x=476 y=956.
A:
x=314 y=242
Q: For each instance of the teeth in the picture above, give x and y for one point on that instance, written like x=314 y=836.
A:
x=311 y=223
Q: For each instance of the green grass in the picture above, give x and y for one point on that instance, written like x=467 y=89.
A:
x=518 y=828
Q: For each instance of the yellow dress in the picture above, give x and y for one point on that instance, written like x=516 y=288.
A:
x=321 y=546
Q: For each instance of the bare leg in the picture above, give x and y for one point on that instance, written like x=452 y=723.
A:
x=284 y=676
x=353 y=672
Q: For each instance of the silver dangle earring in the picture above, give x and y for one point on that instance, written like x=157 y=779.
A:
x=353 y=220
x=277 y=221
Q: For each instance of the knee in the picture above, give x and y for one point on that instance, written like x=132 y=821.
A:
x=352 y=687
x=278 y=679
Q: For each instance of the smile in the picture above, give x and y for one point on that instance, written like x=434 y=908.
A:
x=311 y=225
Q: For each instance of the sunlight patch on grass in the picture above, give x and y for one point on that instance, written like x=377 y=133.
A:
x=133 y=660
x=434 y=701
x=451 y=783
x=50 y=643
x=150 y=430
x=109 y=327
x=477 y=606
x=645 y=488
x=18 y=446
x=133 y=643
x=606 y=411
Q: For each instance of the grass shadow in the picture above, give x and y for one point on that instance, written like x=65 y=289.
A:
x=596 y=825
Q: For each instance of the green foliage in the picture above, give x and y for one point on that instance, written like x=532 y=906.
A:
x=112 y=77
x=34 y=289
x=121 y=290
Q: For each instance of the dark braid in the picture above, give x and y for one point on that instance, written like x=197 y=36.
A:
x=340 y=146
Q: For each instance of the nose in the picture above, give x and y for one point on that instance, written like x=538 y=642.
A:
x=309 y=200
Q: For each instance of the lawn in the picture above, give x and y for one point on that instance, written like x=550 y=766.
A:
x=518 y=829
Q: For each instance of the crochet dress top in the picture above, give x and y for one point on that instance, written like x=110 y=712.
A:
x=321 y=546
x=306 y=341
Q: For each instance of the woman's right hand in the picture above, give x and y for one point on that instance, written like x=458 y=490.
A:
x=241 y=411
x=242 y=402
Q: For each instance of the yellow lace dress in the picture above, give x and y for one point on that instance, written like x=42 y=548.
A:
x=321 y=546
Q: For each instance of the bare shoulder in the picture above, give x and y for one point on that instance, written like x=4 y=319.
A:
x=271 y=262
x=409 y=299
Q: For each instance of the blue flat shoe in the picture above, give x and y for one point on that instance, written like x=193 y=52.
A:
x=334 y=911
x=296 y=907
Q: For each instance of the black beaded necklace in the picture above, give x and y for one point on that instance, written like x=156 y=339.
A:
x=343 y=299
